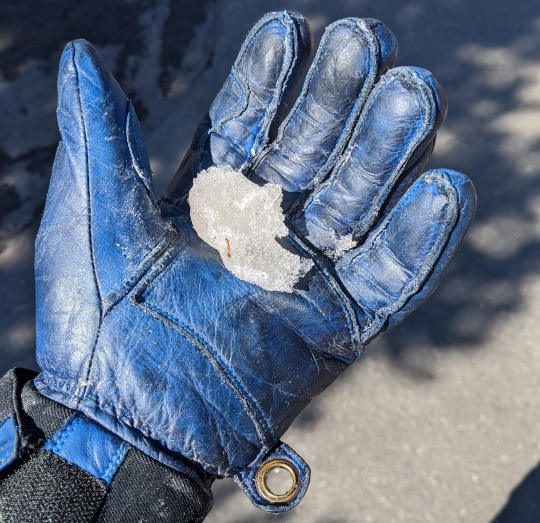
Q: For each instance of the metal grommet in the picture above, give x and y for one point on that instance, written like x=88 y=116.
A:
x=261 y=483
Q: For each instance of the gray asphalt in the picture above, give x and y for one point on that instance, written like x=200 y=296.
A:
x=440 y=421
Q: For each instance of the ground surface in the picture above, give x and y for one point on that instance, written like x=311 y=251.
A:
x=441 y=420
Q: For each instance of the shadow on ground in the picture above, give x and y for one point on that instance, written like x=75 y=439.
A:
x=523 y=505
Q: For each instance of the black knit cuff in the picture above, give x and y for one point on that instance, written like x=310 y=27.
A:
x=39 y=485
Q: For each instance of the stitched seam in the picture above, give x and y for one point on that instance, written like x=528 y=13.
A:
x=165 y=245
x=303 y=96
x=89 y=210
x=372 y=243
x=343 y=160
x=238 y=80
x=289 y=62
x=382 y=314
x=438 y=245
x=237 y=76
x=348 y=312
x=419 y=136
x=287 y=67
x=236 y=385
x=60 y=438
x=155 y=264
x=135 y=153
x=357 y=107
x=115 y=461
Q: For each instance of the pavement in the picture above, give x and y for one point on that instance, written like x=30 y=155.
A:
x=440 y=421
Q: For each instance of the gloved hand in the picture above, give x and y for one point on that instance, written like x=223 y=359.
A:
x=139 y=325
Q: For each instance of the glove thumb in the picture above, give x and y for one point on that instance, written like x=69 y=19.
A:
x=100 y=212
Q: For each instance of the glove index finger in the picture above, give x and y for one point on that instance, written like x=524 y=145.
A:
x=252 y=98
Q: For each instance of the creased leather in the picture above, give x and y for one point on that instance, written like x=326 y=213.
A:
x=139 y=325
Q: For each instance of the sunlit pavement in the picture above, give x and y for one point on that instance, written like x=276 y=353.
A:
x=441 y=419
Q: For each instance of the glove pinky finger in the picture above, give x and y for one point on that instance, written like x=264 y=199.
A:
x=404 y=257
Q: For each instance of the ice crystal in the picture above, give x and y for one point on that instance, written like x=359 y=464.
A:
x=242 y=220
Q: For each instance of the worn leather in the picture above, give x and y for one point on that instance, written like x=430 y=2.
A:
x=140 y=326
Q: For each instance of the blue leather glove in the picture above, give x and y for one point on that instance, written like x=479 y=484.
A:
x=139 y=325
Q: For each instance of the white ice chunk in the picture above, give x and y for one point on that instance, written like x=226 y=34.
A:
x=341 y=246
x=242 y=221
x=338 y=246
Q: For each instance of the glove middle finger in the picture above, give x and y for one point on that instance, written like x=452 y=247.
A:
x=352 y=54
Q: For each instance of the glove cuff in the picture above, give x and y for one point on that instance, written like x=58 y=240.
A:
x=59 y=390
x=252 y=478
x=56 y=461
